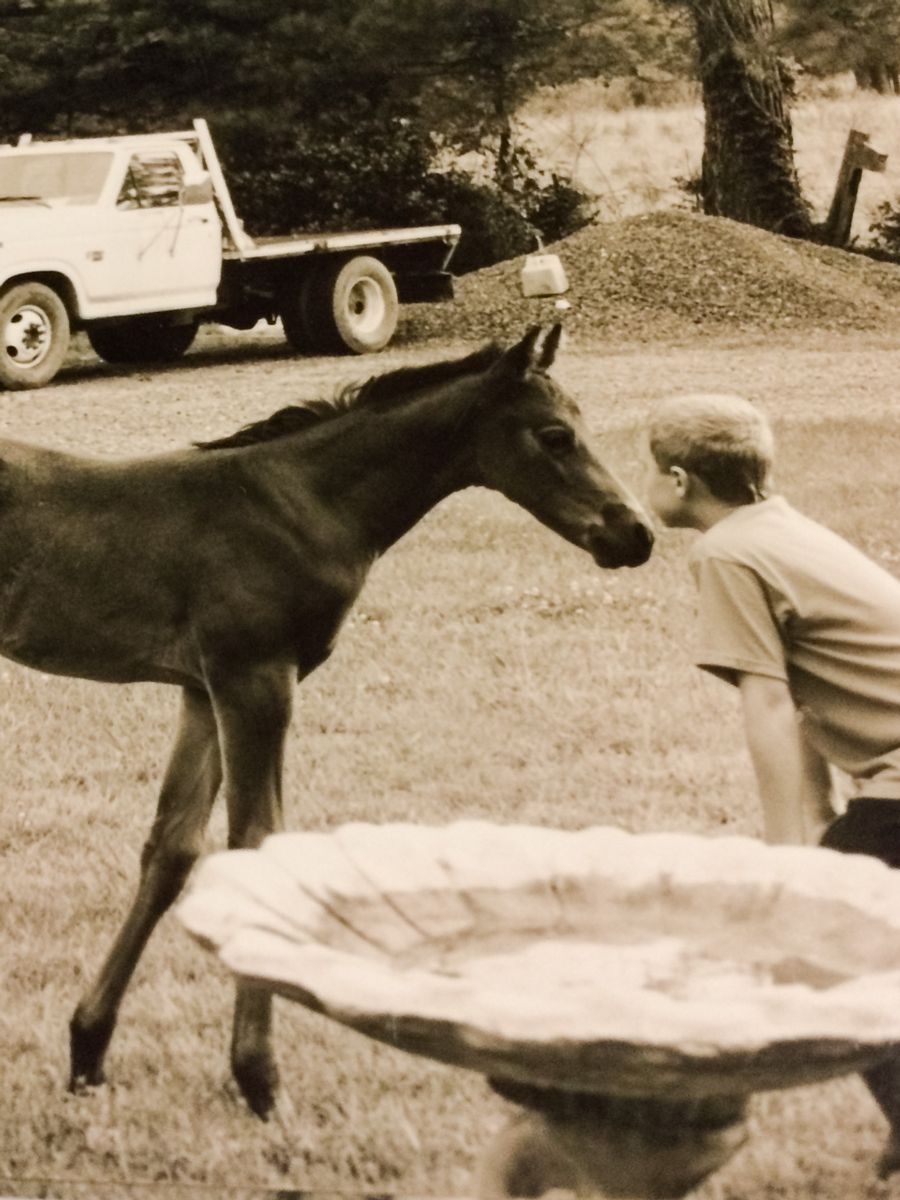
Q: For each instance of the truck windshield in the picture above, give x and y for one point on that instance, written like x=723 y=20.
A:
x=75 y=178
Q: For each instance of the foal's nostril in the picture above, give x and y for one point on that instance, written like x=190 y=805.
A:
x=614 y=512
x=630 y=532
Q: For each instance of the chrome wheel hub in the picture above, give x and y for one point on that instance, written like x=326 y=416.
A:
x=27 y=336
x=366 y=306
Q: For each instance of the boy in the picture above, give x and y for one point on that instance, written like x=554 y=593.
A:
x=806 y=627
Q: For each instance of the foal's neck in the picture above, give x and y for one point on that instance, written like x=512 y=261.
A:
x=382 y=471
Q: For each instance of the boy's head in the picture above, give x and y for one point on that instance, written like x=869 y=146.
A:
x=709 y=448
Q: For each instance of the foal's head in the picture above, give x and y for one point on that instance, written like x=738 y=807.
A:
x=532 y=447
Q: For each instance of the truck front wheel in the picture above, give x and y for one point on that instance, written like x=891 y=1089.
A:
x=349 y=305
x=141 y=340
x=34 y=335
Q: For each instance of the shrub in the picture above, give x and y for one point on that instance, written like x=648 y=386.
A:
x=560 y=208
x=494 y=227
x=353 y=171
x=690 y=192
x=886 y=230
x=499 y=224
x=347 y=171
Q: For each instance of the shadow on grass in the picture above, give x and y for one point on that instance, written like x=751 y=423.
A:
x=198 y=358
x=220 y=350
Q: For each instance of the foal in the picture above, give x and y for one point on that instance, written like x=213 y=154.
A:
x=227 y=570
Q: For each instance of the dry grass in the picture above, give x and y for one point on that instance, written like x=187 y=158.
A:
x=632 y=158
x=488 y=670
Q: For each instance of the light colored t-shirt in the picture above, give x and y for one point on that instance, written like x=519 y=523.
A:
x=781 y=595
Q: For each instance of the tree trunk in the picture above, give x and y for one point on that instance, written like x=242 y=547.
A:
x=748 y=169
x=877 y=74
x=504 y=174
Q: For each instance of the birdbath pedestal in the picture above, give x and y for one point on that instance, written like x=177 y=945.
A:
x=605 y=1146
x=629 y=992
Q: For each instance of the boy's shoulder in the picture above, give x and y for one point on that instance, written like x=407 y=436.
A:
x=771 y=526
x=791 y=550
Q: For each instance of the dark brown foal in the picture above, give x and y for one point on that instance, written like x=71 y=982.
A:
x=227 y=569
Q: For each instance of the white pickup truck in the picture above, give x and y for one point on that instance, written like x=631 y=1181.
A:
x=135 y=240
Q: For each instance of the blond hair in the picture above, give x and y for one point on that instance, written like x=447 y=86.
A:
x=724 y=440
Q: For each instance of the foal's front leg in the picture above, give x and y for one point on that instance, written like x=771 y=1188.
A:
x=185 y=801
x=253 y=711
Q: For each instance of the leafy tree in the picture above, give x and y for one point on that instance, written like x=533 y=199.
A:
x=350 y=92
x=862 y=36
x=460 y=68
x=47 y=62
x=465 y=68
x=634 y=38
x=473 y=62
x=323 y=112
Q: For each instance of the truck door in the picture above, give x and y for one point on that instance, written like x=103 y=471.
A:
x=163 y=243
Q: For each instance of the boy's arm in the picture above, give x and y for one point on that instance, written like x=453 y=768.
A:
x=794 y=780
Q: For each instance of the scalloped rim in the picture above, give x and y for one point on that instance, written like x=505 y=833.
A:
x=278 y=915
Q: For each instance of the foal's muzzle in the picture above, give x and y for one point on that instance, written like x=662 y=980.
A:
x=624 y=539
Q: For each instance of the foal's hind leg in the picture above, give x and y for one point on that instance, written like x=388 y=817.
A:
x=189 y=788
x=253 y=710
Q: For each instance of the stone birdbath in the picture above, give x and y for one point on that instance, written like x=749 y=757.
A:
x=629 y=991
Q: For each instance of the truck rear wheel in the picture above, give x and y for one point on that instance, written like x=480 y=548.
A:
x=34 y=335
x=142 y=339
x=349 y=305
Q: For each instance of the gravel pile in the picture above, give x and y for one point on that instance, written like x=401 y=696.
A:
x=668 y=275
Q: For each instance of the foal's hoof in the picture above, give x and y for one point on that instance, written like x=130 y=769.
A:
x=84 y=1077
x=80 y=1085
x=87 y=1046
x=257 y=1078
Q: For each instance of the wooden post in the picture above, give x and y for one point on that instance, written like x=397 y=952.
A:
x=858 y=157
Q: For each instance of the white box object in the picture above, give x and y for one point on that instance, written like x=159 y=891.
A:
x=543 y=275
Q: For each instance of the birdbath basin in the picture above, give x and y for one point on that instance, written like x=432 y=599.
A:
x=629 y=991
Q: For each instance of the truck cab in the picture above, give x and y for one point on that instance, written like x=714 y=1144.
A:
x=135 y=240
x=115 y=226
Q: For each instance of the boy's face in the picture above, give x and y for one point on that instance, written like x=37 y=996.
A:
x=665 y=492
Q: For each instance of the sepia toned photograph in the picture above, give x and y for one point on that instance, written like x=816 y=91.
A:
x=450 y=599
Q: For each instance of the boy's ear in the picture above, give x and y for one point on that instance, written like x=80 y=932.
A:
x=682 y=481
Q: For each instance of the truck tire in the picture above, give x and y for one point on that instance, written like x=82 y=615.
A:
x=142 y=340
x=34 y=335
x=346 y=306
x=294 y=310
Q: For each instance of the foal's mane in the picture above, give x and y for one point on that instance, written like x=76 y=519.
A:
x=379 y=393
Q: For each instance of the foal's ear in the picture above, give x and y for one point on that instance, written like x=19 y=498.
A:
x=549 y=347
x=535 y=352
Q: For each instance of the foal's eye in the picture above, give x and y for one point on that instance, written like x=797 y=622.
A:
x=557 y=439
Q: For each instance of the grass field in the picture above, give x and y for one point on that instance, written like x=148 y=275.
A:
x=488 y=670
x=632 y=158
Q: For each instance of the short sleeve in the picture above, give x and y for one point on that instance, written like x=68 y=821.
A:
x=737 y=630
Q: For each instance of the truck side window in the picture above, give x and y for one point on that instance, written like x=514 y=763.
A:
x=153 y=180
